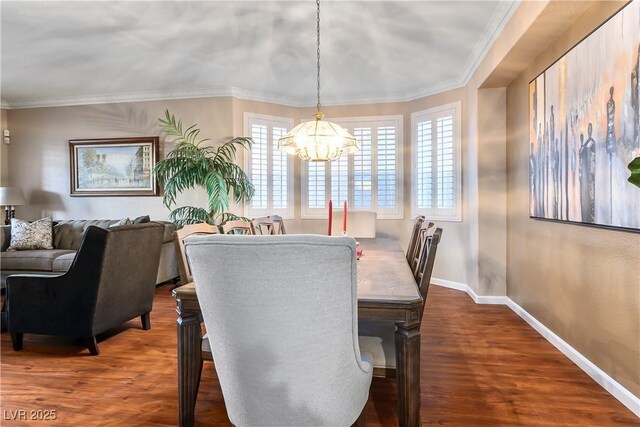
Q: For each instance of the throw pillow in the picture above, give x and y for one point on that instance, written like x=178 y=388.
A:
x=142 y=219
x=31 y=235
x=123 y=221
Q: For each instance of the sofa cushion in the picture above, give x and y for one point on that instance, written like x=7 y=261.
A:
x=63 y=262
x=142 y=219
x=68 y=234
x=123 y=221
x=37 y=260
x=31 y=235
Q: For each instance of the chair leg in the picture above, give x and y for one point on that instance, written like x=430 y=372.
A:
x=92 y=344
x=362 y=419
x=146 y=321
x=16 y=341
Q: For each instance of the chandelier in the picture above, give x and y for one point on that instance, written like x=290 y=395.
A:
x=318 y=140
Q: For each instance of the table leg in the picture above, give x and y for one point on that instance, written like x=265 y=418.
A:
x=408 y=374
x=189 y=366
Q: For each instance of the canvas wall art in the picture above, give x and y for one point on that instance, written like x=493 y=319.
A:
x=585 y=128
x=114 y=167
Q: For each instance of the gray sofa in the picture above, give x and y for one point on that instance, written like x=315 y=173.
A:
x=67 y=236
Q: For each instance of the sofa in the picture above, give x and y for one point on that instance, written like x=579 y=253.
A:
x=67 y=236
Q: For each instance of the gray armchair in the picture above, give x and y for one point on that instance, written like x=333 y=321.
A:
x=281 y=318
x=111 y=280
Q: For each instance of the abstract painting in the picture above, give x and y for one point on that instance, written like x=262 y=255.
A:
x=113 y=167
x=585 y=128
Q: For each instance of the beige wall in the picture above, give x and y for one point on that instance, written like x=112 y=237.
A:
x=39 y=152
x=581 y=282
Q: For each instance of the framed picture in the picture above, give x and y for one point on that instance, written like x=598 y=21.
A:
x=114 y=167
x=584 y=129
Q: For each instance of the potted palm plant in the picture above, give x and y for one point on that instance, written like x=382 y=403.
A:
x=192 y=164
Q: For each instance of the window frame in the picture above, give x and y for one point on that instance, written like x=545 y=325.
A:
x=441 y=214
x=349 y=123
x=270 y=122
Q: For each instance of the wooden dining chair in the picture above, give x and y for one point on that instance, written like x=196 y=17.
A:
x=424 y=237
x=178 y=241
x=279 y=224
x=264 y=225
x=239 y=226
x=414 y=237
x=185 y=271
x=377 y=339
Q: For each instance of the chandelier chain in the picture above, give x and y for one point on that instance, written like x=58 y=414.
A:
x=318 y=49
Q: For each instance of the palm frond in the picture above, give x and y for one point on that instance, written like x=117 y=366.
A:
x=217 y=191
x=191 y=165
x=190 y=215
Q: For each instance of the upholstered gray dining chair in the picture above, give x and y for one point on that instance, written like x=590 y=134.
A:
x=284 y=335
x=377 y=339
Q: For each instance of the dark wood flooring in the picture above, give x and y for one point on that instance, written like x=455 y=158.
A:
x=481 y=366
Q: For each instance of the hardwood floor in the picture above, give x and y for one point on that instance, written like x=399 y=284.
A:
x=481 y=366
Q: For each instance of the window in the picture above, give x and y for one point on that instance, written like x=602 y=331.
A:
x=435 y=137
x=269 y=169
x=369 y=179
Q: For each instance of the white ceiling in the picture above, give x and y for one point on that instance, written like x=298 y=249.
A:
x=66 y=53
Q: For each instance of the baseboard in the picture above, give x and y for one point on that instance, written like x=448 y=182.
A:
x=613 y=387
x=478 y=299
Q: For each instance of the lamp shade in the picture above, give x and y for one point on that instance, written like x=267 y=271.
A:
x=11 y=196
x=318 y=140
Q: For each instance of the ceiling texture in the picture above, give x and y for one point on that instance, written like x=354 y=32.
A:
x=73 y=53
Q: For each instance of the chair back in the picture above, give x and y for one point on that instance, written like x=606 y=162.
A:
x=239 y=226
x=414 y=238
x=279 y=224
x=128 y=273
x=284 y=336
x=424 y=237
x=178 y=240
x=264 y=225
x=427 y=260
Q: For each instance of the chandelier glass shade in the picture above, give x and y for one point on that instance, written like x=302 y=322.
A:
x=318 y=140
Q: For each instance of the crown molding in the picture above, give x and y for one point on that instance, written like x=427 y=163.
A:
x=498 y=21
x=226 y=92
x=4 y=104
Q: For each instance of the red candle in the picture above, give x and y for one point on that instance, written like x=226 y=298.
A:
x=330 y=216
x=344 y=220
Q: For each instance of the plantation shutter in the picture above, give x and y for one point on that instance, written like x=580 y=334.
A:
x=269 y=169
x=369 y=179
x=259 y=166
x=316 y=179
x=436 y=173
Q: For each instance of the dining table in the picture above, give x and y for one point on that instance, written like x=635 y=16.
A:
x=387 y=291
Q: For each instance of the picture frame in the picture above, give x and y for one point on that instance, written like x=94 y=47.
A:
x=114 y=166
x=584 y=129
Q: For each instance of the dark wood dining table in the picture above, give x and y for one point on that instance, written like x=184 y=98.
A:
x=387 y=291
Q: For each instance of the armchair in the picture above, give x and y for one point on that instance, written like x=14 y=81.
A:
x=111 y=280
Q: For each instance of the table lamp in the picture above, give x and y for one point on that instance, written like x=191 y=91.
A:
x=10 y=197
